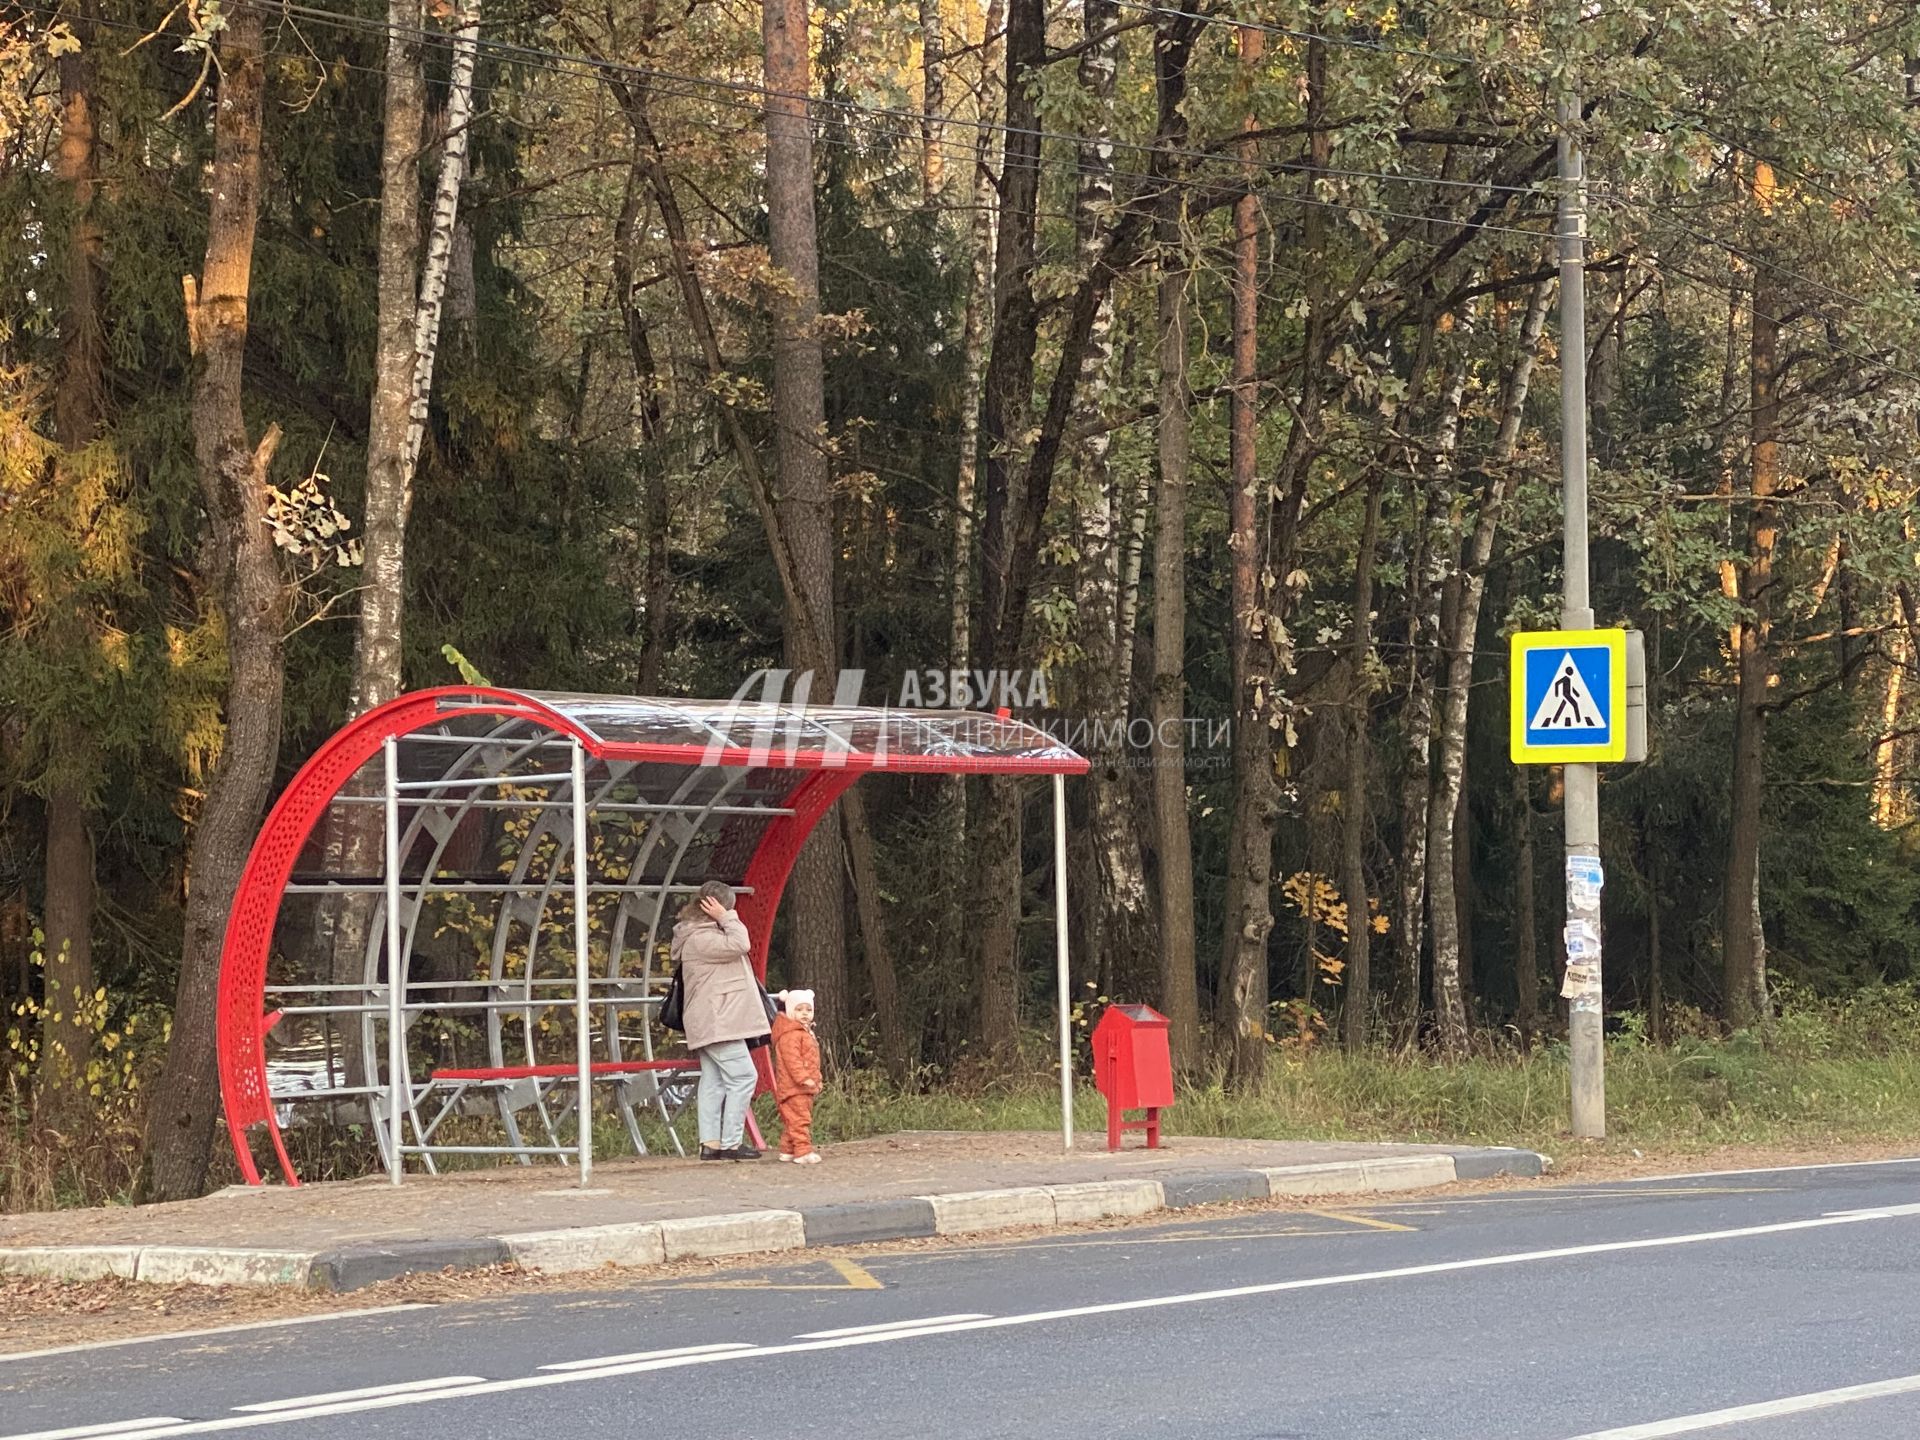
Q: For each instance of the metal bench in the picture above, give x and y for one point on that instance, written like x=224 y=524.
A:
x=674 y=1084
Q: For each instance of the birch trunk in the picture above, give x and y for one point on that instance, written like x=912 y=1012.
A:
x=407 y=329
x=1020 y=466
x=1243 y=968
x=1117 y=936
x=1173 y=842
x=1005 y=409
x=241 y=571
x=377 y=640
x=441 y=227
x=1449 y=1001
x=1136 y=502
x=1436 y=547
x=1357 y=1015
x=977 y=322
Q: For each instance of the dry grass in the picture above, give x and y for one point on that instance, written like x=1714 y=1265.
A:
x=1827 y=1074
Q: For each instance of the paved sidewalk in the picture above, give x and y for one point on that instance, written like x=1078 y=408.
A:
x=647 y=1211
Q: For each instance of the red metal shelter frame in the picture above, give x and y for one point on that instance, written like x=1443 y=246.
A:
x=733 y=789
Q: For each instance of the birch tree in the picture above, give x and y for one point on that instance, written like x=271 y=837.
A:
x=1458 y=646
x=1243 y=966
x=1173 y=842
x=1119 y=917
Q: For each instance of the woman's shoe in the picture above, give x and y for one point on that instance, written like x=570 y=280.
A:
x=742 y=1151
x=714 y=1152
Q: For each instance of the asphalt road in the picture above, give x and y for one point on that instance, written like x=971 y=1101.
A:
x=1777 y=1305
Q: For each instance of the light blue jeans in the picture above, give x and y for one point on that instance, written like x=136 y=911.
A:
x=727 y=1081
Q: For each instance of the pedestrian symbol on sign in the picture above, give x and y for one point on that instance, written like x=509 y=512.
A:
x=1569 y=697
x=1568 y=703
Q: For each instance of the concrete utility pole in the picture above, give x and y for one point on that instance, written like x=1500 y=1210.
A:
x=1588 y=1062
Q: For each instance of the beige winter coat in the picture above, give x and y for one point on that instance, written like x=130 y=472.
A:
x=723 y=1002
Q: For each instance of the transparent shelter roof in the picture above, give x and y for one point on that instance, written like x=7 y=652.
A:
x=775 y=736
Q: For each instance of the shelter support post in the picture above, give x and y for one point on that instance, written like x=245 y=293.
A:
x=396 y=974
x=583 y=1038
x=1060 y=957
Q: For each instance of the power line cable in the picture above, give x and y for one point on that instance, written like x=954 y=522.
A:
x=875 y=118
x=749 y=95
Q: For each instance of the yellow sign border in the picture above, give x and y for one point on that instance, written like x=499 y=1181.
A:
x=1524 y=642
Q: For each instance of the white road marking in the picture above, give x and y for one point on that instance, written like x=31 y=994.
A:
x=606 y=1360
x=211 y=1330
x=1038 y=1317
x=1880 y=1212
x=889 y=1325
x=112 y=1427
x=404 y=1387
x=1774 y=1170
x=1764 y=1410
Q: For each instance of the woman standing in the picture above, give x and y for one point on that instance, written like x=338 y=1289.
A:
x=723 y=1012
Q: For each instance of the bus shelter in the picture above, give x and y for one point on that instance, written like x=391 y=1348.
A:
x=460 y=905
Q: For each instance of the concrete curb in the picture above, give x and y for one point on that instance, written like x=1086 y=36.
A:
x=756 y=1232
x=706 y=1237
x=209 y=1265
x=352 y=1267
x=864 y=1222
x=588 y=1247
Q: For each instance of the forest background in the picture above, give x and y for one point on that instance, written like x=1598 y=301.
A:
x=1202 y=361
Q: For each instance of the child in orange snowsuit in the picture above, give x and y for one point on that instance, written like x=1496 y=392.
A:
x=796 y=1075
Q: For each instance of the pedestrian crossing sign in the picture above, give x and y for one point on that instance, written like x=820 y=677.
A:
x=1569 y=691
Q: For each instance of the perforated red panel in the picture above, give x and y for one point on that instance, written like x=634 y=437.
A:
x=256 y=906
x=771 y=864
x=740 y=836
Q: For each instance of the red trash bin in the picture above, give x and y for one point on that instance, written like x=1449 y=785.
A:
x=1133 y=1069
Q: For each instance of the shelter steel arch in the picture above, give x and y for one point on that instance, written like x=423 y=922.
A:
x=382 y=843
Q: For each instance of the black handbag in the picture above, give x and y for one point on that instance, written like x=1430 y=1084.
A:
x=760 y=1042
x=673 y=1005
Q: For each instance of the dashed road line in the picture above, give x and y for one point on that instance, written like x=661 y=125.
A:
x=603 y=1361
x=1763 y=1410
x=887 y=1325
x=111 y=1427
x=151 y=1430
x=368 y=1392
x=211 y=1330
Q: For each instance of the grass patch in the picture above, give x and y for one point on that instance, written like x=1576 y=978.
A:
x=1824 y=1074
x=1804 y=1086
